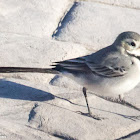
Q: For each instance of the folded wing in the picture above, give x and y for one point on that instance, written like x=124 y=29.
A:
x=83 y=65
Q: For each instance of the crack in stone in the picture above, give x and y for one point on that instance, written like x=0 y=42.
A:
x=112 y=4
x=129 y=135
x=62 y=21
x=32 y=112
x=63 y=136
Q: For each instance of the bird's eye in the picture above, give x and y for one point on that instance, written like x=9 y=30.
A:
x=133 y=44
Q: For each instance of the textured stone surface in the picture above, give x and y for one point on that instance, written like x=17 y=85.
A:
x=96 y=24
x=123 y=3
x=30 y=17
x=44 y=106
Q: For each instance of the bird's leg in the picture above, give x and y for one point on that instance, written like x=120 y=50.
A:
x=85 y=95
x=120 y=97
x=89 y=114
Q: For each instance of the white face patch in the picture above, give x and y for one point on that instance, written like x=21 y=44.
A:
x=132 y=43
x=135 y=52
x=132 y=47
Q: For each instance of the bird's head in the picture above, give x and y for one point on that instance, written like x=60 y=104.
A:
x=128 y=43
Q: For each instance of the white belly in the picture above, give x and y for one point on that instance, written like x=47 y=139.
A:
x=118 y=85
x=110 y=86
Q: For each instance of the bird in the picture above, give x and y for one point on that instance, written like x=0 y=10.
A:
x=113 y=70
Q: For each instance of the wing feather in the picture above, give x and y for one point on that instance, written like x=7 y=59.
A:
x=77 y=65
x=106 y=71
x=82 y=65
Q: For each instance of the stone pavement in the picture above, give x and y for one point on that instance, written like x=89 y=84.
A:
x=37 y=33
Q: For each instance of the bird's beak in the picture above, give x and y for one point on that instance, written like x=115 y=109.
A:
x=138 y=57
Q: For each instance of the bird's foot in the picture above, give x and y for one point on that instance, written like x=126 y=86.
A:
x=96 y=117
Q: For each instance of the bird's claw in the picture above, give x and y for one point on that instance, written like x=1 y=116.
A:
x=96 y=117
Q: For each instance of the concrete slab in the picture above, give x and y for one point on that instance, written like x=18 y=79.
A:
x=132 y=136
x=33 y=18
x=135 y=4
x=32 y=107
x=96 y=25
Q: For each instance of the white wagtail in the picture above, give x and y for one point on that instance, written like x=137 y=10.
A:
x=113 y=70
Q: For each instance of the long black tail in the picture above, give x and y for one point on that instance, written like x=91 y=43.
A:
x=25 y=69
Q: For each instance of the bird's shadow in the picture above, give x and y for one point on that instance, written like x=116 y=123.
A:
x=17 y=91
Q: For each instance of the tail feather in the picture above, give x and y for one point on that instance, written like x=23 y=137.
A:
x=25 y=69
